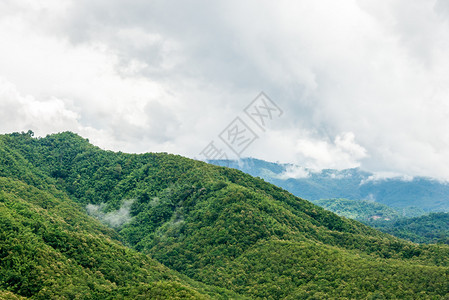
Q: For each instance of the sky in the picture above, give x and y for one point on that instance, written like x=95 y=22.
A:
x=346 y=83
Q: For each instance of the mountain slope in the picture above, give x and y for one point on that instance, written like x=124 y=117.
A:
x=360 y=210
x=49 y=248
x=225 y=228
x=431 y=228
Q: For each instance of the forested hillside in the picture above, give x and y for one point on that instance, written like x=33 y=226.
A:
x=431 y=228
x=51 y=249
x=219 y=227
x=360 y=210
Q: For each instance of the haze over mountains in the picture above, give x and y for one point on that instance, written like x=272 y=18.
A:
x=194 y=231
x=402 y=193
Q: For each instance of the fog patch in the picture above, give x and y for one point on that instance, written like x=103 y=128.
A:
x=383 y=176
x=295 y=172
x=114 y=219
x=155 y=202
x=370 y=198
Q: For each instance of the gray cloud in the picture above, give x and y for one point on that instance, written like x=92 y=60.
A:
x=442 y=7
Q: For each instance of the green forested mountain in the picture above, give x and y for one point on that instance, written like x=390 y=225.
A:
x=230 y=235
x=431 y=228
x=368 y=212
x=360 y=210
x=51 y=249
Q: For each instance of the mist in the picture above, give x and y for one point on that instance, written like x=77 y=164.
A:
x=114 y=219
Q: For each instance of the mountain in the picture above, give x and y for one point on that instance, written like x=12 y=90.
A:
x=360 y=210
x=51 y=249
x=218 y=232
x=431 y=228
x=409 y=195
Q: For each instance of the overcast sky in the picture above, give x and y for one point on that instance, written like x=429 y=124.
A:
x=360 y=83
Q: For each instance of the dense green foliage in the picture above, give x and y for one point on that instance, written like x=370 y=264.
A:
x=360 y=210
x=50 y=249
x=432 y=228
x=215 y=225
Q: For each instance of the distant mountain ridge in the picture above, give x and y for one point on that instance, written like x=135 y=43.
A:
x=427 y=194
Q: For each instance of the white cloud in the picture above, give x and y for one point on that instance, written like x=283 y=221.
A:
x=379 y=176
x=342 y=153
x=116 y=218
x=22 y=112
x=293 y=171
